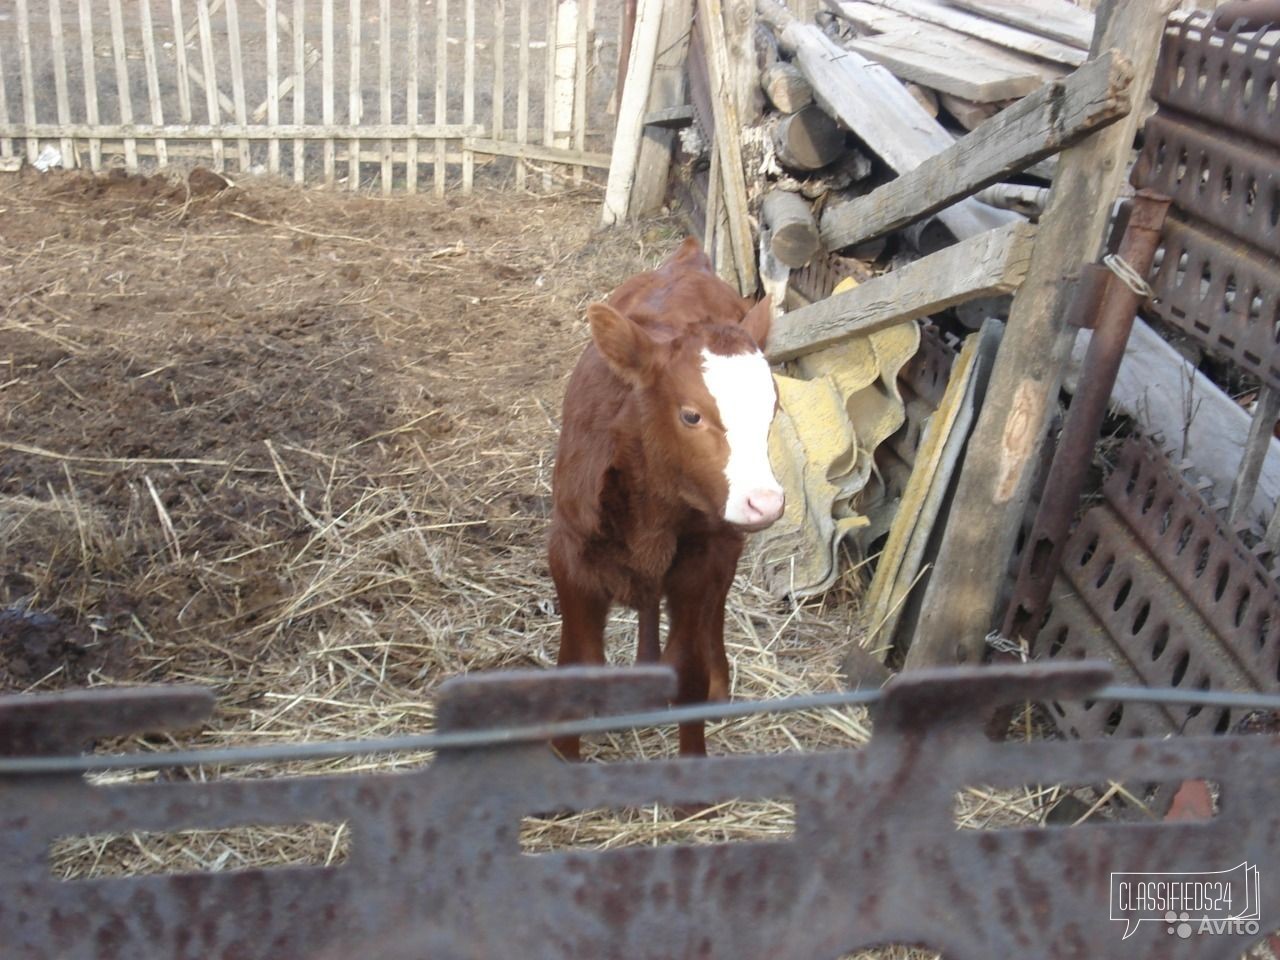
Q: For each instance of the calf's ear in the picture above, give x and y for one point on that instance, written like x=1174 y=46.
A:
x=624 y=344
x=757 y=321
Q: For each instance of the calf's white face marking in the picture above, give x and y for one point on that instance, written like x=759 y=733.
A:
x=743 y=390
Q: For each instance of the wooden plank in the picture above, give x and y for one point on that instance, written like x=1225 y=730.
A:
x=987 y=265
x=468 y=90
x=535 y=151
x=58 y=48
x=285 y=131
x=959 y=607
x=212 y=106
x=1056 y=19
x=499 y=68
x=635 y=94
x=300 y=87
x=28 y=76
x=442 y=91
x=183 y=78
x=549 y=85
x=1261 y=435
x=961 y=21
x=273 y=84
x=236 y=57
x=724 y=103
x=1039 y=125
x=411 y=97
x=327 y=86
x=355 y=93
x=90 y=80
x=6 y=144
x=522 y=90
x=123 y=93
x=952 y=68
x=384 y=89
x=872 y=103
x=580 y=88
x=666 y=92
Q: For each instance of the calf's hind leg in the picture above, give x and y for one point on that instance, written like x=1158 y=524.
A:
x=583 y=613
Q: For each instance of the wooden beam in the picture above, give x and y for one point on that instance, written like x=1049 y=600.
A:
x=987 y=265
x=960 y=603
x=871 y=102
x=1056 y=19
x=724 y=105
x=666 y=99
x=1039 y=125
x=961 y=21
x=793 y=236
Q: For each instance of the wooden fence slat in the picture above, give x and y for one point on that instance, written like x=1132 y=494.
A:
x=499 y=67
x=522 y=91
x=237 y=77
x=299 y=88
x=535 y=151
x=442 y=92
x=120 y=54
x=28 y=82
x=153 y=78
x=327 y=86
x=411 y=97
x=469 y=91
x=273 y=84
x=180 y=58
x=355 y=100
x=549 y=87
x=580 y=90
x=384 y=88
x=210 y=84
x=6 y=144
x=59 y=50
x=1261 y=432
x=90 y=81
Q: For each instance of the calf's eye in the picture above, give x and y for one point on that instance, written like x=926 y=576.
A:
x=690 y=418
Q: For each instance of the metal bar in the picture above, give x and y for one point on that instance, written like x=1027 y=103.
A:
x=536 y=732
x=1261 y=432
x=1074 y=455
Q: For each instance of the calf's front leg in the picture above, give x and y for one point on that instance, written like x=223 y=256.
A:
x=583 y=613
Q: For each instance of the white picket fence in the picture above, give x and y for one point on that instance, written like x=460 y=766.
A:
x=355 y=92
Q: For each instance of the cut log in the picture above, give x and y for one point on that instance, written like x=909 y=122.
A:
x=807 y=139
x=991 y=263
x=959 y=607
x=870 y=101
x=786 y=87
x=1056 y=19
x=1003 y=35
x=794 y=234
x=1059 y=114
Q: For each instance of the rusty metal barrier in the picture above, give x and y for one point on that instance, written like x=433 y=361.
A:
x=436 y=871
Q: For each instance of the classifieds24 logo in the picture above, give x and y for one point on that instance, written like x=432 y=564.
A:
x=1188 y=904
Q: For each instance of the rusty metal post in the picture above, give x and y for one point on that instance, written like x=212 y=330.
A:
x=1119 y=303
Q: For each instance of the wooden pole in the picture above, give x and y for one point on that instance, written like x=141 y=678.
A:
x=273 y=84
x=237 y=78
x=59 y=50
x=214 y=108
x=28 y=75
x=469 y=91
x=411 y=97
x=549 y=85
x=6 y=144
x=499 y=69
x=327 y=87
x=299 y=88
x=91 y=80
x=384 y=90
x=635 y=95
x=122 y=81
x=960 y=602
x=355 y=94
x=180 y=60
x=522 y=92
x=666 y=90
x=442 y=92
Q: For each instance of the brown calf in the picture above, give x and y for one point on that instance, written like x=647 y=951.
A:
x=662 y=467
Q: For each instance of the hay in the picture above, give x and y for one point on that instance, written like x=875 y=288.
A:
x=296 y=446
